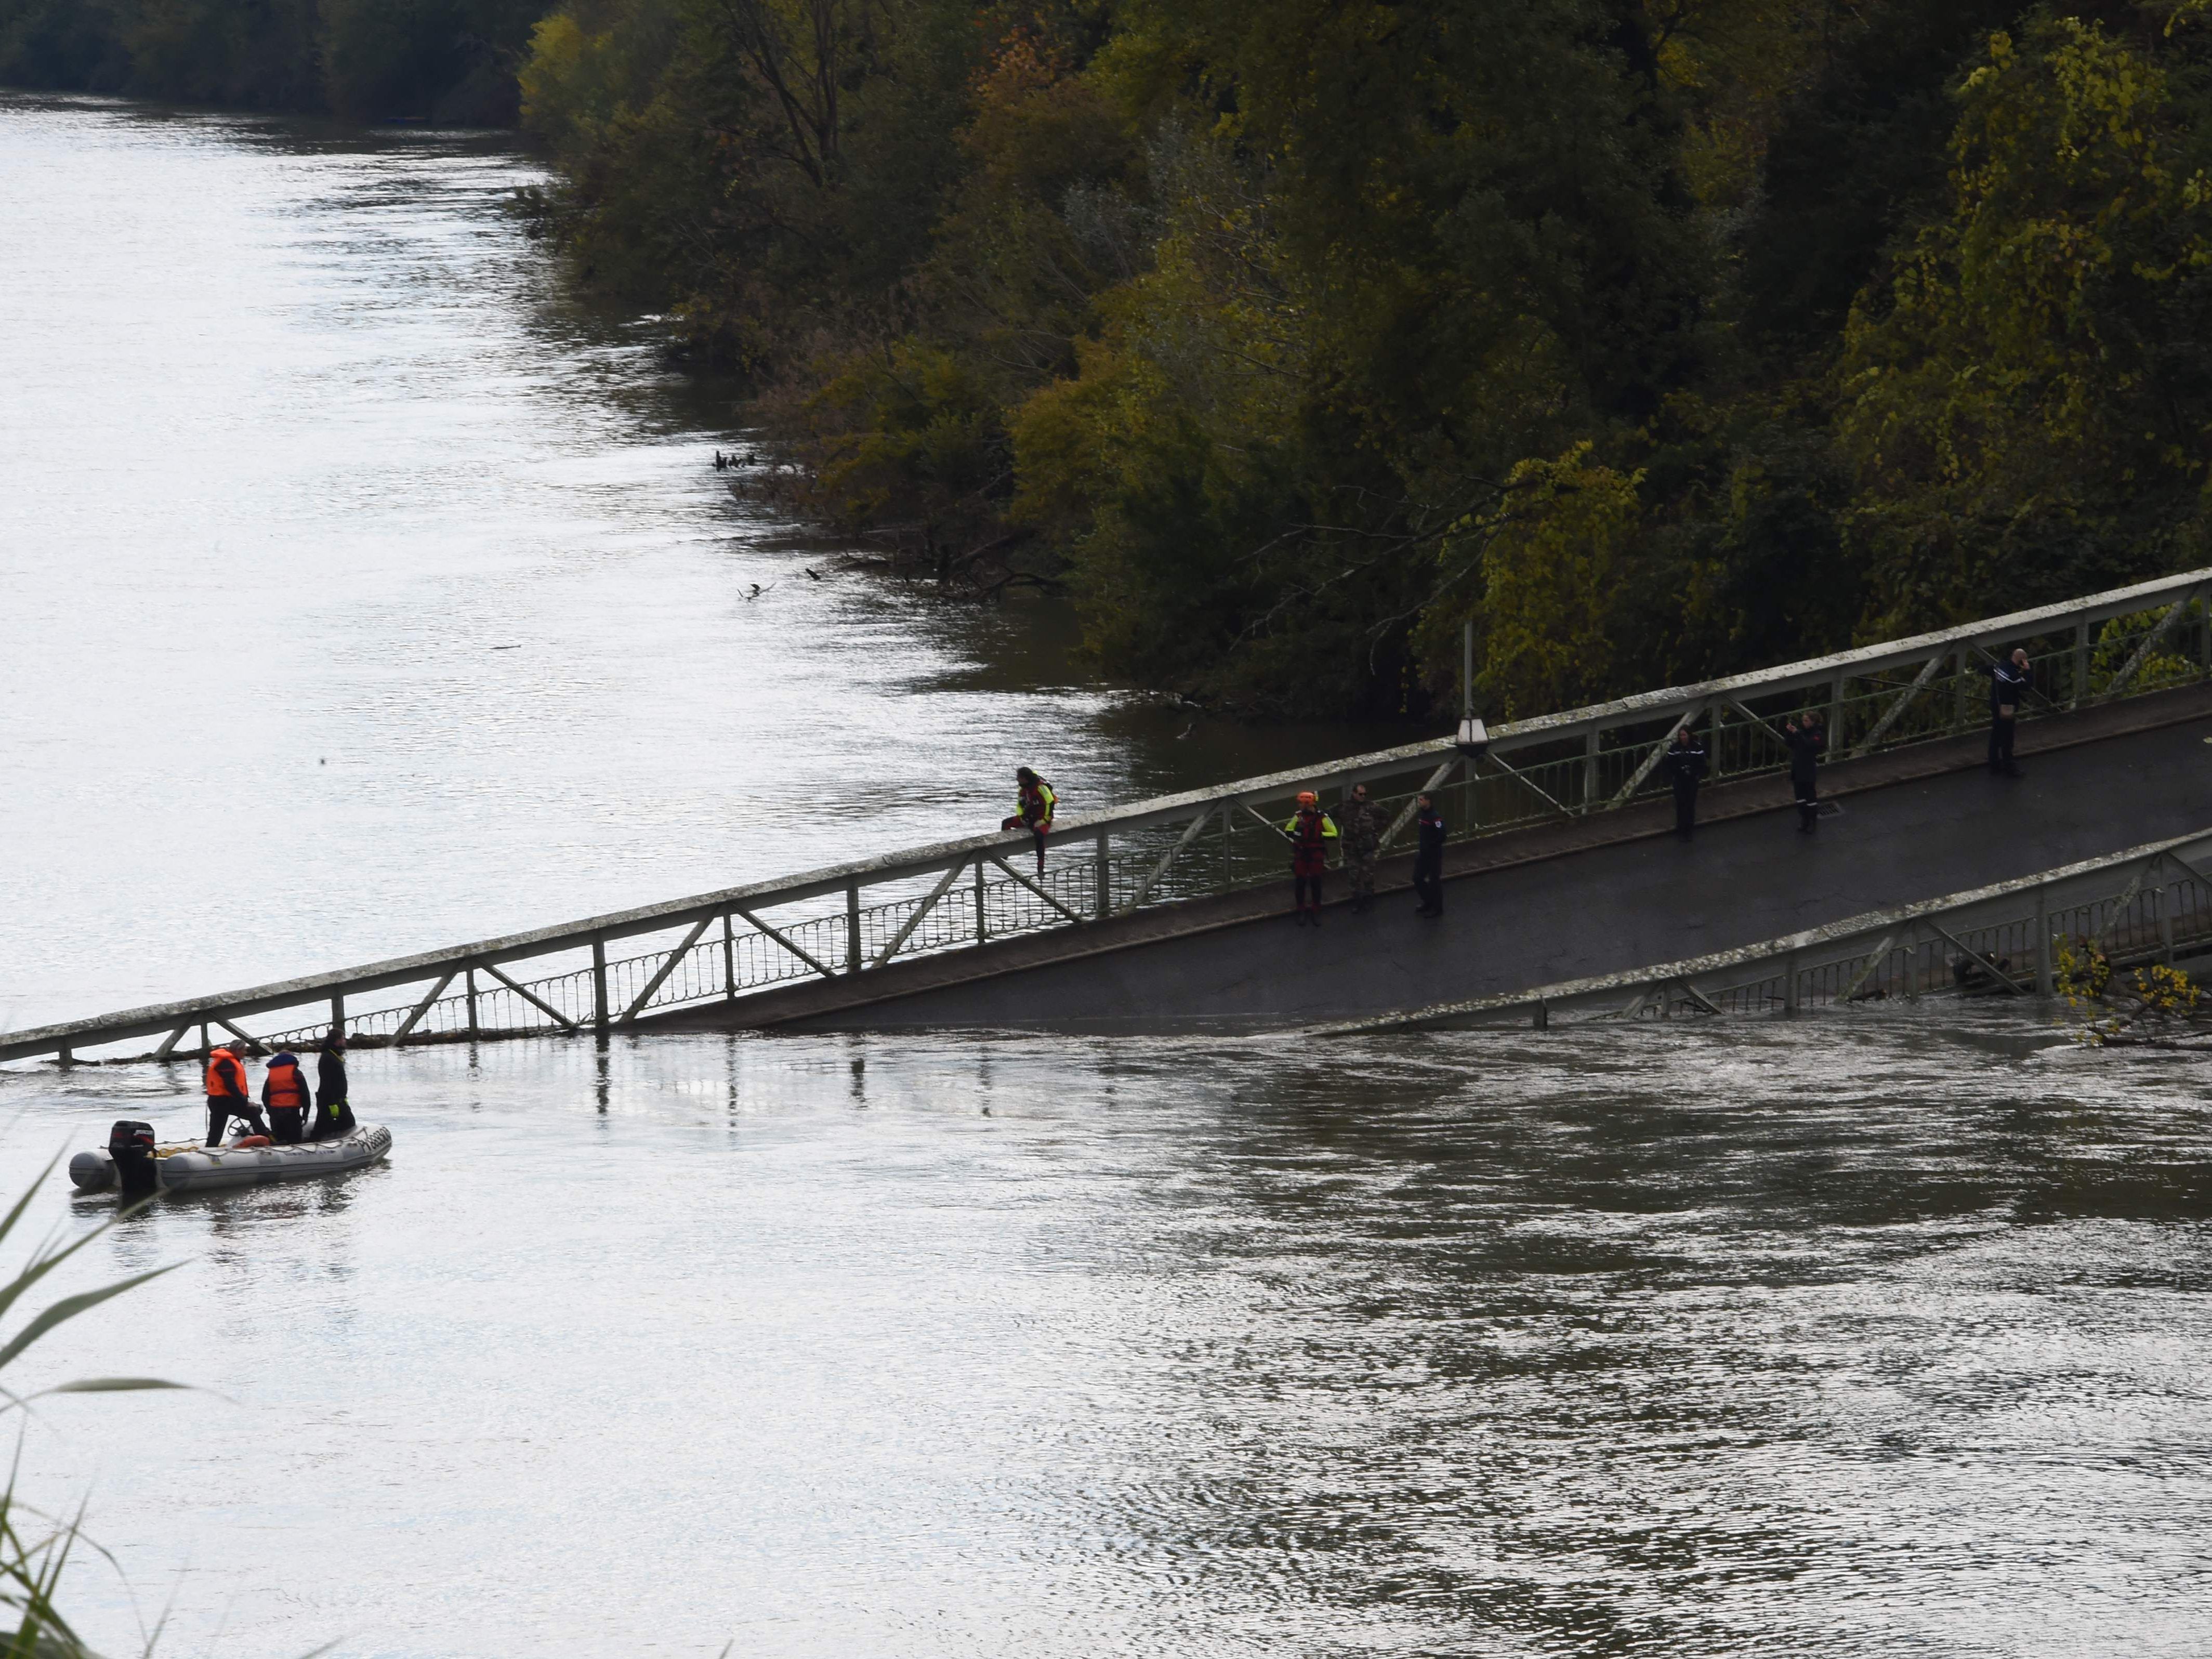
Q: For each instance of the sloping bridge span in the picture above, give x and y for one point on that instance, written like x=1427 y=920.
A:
x=1168 y=913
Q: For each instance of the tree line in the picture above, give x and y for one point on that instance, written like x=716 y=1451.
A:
x=1659 y=338
x=452 y=61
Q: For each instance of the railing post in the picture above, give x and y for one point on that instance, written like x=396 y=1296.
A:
x=1589 y=770
x=65 y=1056
x=206 y=1047
x=1789 y=984
x=2165 y=924
x=1958 y=692
x=982 y=923
x=852 y=926
x=1836 y=712
x=1228 y=855
x=2081 y=663
x=600 y=982
x=2204 y=629
x=729 y=958
x=1543 y=1019
x=337 y=1014
x=469 y=982
x=1104 y=876
x=2043 y=941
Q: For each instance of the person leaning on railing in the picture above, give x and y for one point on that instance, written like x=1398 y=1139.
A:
x=2007 y=683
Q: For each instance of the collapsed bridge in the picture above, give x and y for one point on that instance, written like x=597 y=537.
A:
x=1168 y=914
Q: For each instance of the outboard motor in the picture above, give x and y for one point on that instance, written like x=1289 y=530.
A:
x=131 y=1145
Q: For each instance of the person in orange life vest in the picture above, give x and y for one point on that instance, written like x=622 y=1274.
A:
x=227 y=1097
x=1034 y=810
x=284 y=1092
x=1311 y=831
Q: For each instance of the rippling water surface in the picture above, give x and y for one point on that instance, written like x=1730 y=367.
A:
x=364 y=592
x=1857 y=1335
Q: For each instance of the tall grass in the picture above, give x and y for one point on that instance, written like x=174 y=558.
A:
x=35 y=1547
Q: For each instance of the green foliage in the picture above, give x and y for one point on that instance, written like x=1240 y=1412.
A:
x=2024 y=399
x=34 y=1551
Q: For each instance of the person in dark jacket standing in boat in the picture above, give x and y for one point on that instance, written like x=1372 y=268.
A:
x=1806 y=739
x=1429 y=857
x=333 y=1116
x=1685 y=767
x=2008 y=683
x=1360 y=821
x=227 y=1097
x=284 y=1092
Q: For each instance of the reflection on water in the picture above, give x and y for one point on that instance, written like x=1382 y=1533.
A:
x=366 y=593
x=1859 y=1334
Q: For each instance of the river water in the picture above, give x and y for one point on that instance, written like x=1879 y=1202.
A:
x=1882 y=1332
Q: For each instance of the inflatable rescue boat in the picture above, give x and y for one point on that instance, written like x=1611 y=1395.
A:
x=250 y=1160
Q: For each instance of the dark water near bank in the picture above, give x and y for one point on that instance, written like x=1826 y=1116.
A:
x=1876 y=1333
x=367 y=593
x=1860 y=1335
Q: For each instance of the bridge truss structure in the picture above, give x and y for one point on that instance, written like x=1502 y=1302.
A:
x=612 y=972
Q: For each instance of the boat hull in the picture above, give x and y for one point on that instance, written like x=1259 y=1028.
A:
x=190 y=1169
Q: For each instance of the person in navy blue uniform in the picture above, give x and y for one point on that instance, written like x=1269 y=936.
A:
x=2008 y=685
x=1429 y=858
x=1685 y=767
x=1806 y=740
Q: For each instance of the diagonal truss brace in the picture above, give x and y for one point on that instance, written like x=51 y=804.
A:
x=660 y=975
x=906 y=930
x=1650 y=762
x=1891 y=715
x=422 y=1007
x=1977 y=958
x=531 y=996
x=1025 y=881
x=776 y=934
x=2151 y=641
x=1196 y=828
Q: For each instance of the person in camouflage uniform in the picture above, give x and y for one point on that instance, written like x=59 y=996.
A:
x=1360 y=821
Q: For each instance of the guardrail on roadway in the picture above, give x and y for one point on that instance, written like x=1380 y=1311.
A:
x=857 y=918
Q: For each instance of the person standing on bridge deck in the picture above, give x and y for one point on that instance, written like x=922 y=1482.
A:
x=1685 y=766
x=1806 y=739
x=1033 y=809
x=1429 y=857
x=333 y=1116
x=2008 y=681
x=1311 y=831
x=284 y=1092
x=1361 y=825
x=227 y=1097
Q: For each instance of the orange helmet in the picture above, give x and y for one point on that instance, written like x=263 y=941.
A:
x=1307 y=798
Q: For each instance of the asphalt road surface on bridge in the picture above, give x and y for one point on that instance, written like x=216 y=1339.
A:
x=1602 y=895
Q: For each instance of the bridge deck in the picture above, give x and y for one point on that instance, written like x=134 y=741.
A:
x=1591 y=897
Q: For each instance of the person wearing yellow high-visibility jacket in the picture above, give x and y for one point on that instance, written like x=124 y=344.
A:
x=1311 y=831
x=1033 y=809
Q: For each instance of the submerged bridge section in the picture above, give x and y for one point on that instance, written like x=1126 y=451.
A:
x=1169 y=913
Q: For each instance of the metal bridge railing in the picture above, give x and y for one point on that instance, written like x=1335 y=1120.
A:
x=2150 y=904
x=858 y=918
